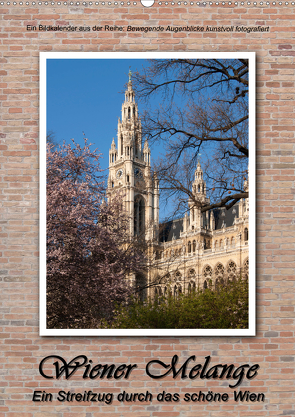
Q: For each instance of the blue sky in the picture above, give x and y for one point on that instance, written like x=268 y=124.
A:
x=85 y=95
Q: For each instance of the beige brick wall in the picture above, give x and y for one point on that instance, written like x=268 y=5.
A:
x=21 y=347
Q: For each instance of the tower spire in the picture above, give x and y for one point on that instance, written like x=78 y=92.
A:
x=130 y=170
x=129 y=126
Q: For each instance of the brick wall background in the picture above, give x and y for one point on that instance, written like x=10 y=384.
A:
x=21 y=347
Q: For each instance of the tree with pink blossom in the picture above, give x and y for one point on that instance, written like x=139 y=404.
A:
x=89 y=252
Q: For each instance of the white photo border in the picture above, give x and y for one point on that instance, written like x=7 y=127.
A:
x=43 y=330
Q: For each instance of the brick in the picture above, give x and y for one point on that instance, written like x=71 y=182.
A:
x=21 y=346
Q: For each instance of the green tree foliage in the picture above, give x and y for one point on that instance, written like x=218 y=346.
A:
x=223 y=308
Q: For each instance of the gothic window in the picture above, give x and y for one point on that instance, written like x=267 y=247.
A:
x=205 y=285
x=198 y=188
x=112 y=184
x=207 y=274
x=192 y=274
x=194 y=246
x=231 y=271
x=219 y=271
x=178 y=276
x=189 y=247
x=175 y=292
x=127 y=178
x=128 y=112
x=121 y=144
x=189 y=288
x=136 y=143
x=139 y=216
x=246 y=234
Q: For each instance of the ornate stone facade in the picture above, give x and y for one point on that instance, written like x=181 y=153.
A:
x=198 y=250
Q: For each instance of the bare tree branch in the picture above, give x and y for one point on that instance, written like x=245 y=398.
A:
x=203 y=109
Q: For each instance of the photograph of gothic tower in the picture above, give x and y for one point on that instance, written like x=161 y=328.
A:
x=155 y=230
x=130 y=172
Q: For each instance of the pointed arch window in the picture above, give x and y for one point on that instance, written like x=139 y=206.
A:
x=207 y=273
x=189 y=247
x=175 y=293
x=194 y=246
x=139 y=216
x=231 y=271
x=136 y=143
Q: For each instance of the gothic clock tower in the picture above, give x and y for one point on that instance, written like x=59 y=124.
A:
x=130 y=171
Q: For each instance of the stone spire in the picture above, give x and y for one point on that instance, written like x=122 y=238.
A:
x=199 y=185
x=199 y=198
x=129 y=127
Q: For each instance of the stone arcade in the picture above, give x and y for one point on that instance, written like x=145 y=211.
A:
x=196 y=251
